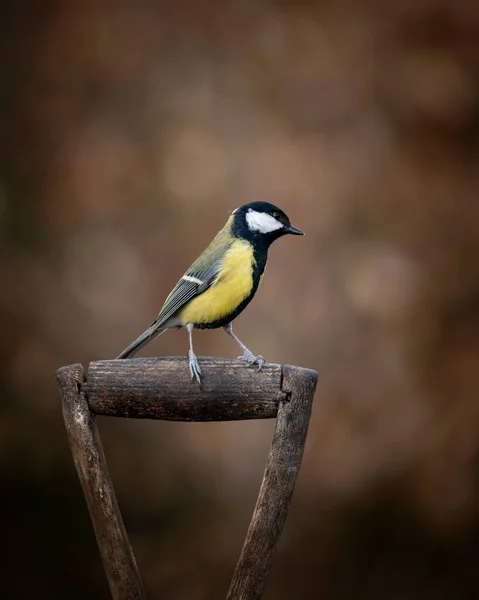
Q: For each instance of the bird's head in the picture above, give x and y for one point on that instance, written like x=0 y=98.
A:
x=262 y=221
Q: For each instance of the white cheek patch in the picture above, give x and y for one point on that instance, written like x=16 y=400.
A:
x=262 y=222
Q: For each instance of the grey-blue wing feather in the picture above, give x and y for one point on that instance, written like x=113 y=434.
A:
x=181 y=294
x=185 y=290
x=206 y=269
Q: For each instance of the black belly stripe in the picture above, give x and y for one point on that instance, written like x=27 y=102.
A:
x=260 y=255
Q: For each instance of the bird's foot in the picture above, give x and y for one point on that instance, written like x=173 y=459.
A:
x=251 y=359
x=194 y=365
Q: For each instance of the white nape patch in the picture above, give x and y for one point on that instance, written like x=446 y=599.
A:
x=262 y=222
x=192 y=279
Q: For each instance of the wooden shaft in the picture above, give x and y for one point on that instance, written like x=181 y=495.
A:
x=116 y=553
x=162 y=388
x=277 y=487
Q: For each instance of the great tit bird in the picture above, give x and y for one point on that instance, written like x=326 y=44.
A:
x=222 y=281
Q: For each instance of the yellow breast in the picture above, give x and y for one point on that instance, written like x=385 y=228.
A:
x=233 y=285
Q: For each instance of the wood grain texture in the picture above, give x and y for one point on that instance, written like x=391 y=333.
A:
x=161 y=388
x=279 y=479
x=116 y=553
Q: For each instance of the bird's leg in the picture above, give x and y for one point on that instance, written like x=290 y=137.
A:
x=193 y=361
x=247 y=356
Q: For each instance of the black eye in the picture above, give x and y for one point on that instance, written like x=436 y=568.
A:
x=275 y=215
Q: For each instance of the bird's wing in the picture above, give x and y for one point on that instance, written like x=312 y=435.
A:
x=193 y=283
x=199 y=277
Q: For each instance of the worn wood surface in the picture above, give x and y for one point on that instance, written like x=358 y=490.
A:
x=116 y=553
x=161 y=388
x=277 y=487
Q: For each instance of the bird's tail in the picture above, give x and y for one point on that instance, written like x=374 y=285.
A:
x=151 y=333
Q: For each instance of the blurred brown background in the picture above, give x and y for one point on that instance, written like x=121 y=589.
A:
x=129 y=132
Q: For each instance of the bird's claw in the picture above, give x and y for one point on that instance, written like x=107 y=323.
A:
x=195 y=370
x=251 y=359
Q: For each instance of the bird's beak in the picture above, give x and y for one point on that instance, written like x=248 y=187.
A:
x=294 y=230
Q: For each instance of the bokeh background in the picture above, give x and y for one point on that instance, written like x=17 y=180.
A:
x=129 y=132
